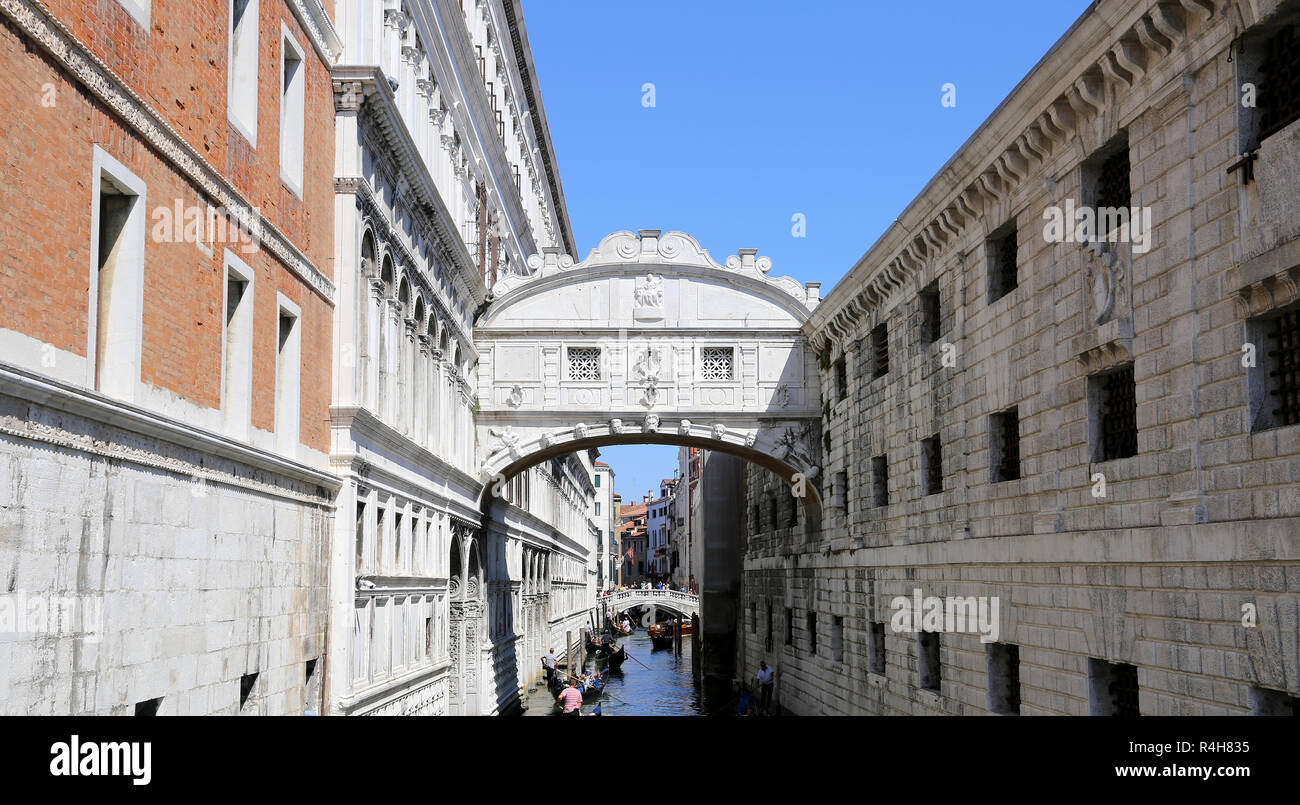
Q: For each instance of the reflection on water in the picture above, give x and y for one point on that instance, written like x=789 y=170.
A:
x=650 y=683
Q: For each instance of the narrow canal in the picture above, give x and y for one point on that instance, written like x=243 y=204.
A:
x=650 y=683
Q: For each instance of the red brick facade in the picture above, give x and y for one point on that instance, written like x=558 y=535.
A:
x=178 y=67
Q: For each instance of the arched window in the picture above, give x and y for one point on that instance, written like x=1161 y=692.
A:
x=368 y=254
x=404 y=297
x=386 y=275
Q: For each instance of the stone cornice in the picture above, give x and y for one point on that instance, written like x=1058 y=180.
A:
x=528 y=74
x=312 y=17
x=46 y=391
x=1113 y=45
x=366 y=425
x=32 y=18
x=377 y=97
x=472 y=113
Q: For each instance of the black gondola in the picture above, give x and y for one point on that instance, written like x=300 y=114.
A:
x=611 y=660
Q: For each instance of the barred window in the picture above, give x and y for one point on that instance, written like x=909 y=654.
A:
x=1279 y=89
x=931 y=313
x=880 y=480
x=717 y=363
x=931 y=466
x=584 y=363
x=1107 y=174
x=1004 y=445
x=1114 y=688
x=876 y=647
x=1002 y=262
x=1275 y=379
x=1114 y=400
x=880 y=351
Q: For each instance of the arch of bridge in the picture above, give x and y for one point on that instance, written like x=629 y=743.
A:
x=648 y=339
x=684 y=604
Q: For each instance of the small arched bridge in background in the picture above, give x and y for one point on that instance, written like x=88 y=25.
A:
x=684 y=604
x=649 y=340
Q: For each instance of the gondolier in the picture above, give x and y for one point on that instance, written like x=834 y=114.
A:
x=548 y=664
x=766 y=678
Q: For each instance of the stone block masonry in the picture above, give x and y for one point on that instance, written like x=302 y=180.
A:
x=193 y=573
x=1143 y=538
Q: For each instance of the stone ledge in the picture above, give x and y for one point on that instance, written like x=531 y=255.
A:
x=95 y=407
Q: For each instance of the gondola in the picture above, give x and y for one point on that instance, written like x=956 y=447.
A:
x=590 y=692
x=661 y=634
x=611 y=660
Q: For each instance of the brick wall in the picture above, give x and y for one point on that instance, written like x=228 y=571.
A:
x=179 y=69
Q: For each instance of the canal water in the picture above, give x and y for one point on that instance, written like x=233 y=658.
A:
x=650 y=683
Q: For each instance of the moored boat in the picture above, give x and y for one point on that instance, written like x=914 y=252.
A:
x=611 y=660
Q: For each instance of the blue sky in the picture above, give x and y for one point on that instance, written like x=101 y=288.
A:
x=764 y=110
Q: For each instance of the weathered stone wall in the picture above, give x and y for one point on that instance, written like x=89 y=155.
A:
x=1201 y=522
x=192 y=571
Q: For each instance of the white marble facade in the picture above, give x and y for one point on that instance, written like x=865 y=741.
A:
x=441 y=189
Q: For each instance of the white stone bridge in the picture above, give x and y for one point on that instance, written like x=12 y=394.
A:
x=685 y=604
x=649 y=340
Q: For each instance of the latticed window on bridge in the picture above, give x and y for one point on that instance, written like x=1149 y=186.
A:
x=717 y=363
x=931 y=466
x=1279 y=88
x=1003 y=251
x=841 y=378
x=1282 y=366
x=812 y=633
x=1115 y=402
x=584 y=363
x=1004 y=445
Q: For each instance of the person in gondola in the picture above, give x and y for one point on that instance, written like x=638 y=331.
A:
x=571 y=700
x=748 y=704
